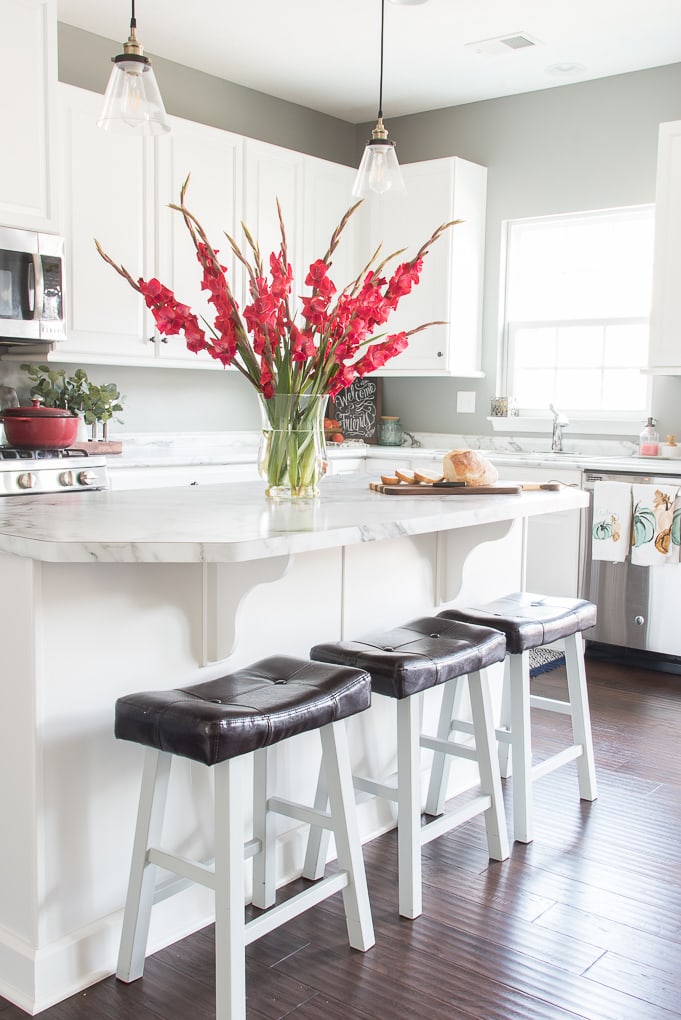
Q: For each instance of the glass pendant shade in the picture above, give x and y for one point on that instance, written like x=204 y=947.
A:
x=132 y=102
x=379 y=172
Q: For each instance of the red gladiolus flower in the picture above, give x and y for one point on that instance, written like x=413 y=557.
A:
x=331 y=345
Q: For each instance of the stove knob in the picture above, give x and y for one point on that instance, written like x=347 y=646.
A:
x=66 y=478
x=26 y=480
x=87 y=477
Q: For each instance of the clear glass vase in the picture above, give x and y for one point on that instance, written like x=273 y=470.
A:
x=292 y=454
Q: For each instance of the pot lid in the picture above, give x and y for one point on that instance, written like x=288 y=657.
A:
x=36 y=411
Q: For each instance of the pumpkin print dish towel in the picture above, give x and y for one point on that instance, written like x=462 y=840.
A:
x=655 y=524
x=611 y=521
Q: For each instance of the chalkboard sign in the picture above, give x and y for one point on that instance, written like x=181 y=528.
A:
x=358 y=409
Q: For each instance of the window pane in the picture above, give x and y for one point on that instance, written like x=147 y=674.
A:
x=580 y=345
x=586 y=266
x=586 y=281
x=535 y=388
x=580 y=390
x=534 y=347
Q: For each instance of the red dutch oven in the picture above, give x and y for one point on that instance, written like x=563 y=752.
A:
x=39 y=428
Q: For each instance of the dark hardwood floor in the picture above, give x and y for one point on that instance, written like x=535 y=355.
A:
x=583 y=922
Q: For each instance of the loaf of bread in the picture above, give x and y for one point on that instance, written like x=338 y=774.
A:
x=470 y=467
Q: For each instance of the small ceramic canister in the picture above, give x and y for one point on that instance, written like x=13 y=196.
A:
x=670 y=448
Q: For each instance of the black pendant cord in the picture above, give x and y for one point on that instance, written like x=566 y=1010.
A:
x=133 y=19
x=380 y=86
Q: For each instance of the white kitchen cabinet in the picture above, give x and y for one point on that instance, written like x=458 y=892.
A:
x=107 y=193
x=327 y=197
x=118 y=189
x=213 y=159
x=552 y=539
x=665 y=318
x=450 y=290
x=28 y=79
x=272 y=173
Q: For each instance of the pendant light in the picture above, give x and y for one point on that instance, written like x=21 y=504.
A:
x=379 y=172
x=132 y=102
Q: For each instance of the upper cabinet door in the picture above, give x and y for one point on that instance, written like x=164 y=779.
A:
x=272 y=173
x=212 y=159
x=28 y=79
x=665 y=319
x=106 y=184
x=328 y=188
x=450 y=290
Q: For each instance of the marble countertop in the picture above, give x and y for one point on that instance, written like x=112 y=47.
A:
x=234 y=448
x=234 y=522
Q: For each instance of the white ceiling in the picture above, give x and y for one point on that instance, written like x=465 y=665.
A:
x=324 y=54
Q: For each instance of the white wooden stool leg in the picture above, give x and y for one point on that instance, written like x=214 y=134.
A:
x=521 y=744
x=264 y=829
x=504 y=747
x=230 y=943
x=140 y=898
x=490 y=781
x=409 y=807
x=581 y=716
x=336 y=766
x=318 y=838
x=439 y=772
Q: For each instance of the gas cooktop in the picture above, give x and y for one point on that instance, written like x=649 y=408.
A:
x=11 y=453
x=32 y=472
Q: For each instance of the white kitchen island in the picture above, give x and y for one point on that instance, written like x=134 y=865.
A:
x=104 y=593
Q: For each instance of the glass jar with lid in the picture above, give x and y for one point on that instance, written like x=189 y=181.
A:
x=390 y=431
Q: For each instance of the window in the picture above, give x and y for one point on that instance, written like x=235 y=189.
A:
x=577 y=306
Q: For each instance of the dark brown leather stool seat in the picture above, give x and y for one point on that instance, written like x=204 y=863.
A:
x=403 y=663
x=253 y=707
x=418 y=655
x=217 y=723
x=530 y=621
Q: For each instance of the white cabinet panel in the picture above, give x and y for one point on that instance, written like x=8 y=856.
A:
x=450 y=290
x=213 y=158
x=272 y=173
x=28 y=78
x=106 y=188
x=665 y=319
x=328 y=196
x=552 y=539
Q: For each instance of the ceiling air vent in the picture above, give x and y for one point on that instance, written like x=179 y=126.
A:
x=503 y=44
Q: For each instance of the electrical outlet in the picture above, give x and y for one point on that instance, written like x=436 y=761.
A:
x=465 y=401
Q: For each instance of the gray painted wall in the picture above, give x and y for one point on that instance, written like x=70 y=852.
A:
x=565 y=149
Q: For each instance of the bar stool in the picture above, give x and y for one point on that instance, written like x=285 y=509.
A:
x=403 y=663
x=530 y=621
x=217 y=723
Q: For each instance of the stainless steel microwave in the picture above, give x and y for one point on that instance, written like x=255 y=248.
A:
x=31 y=287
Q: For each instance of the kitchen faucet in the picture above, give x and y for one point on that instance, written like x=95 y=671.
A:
x=559 y=423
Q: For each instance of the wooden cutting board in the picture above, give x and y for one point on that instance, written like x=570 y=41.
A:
x=422 y=489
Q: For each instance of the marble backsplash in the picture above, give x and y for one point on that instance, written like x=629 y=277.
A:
x=241 y=447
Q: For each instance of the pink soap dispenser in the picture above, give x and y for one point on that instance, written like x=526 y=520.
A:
x=649 y=441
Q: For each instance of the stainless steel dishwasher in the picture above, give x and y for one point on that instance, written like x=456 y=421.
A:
x=638 y=607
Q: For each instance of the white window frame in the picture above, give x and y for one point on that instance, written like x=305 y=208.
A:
x=598 y=422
